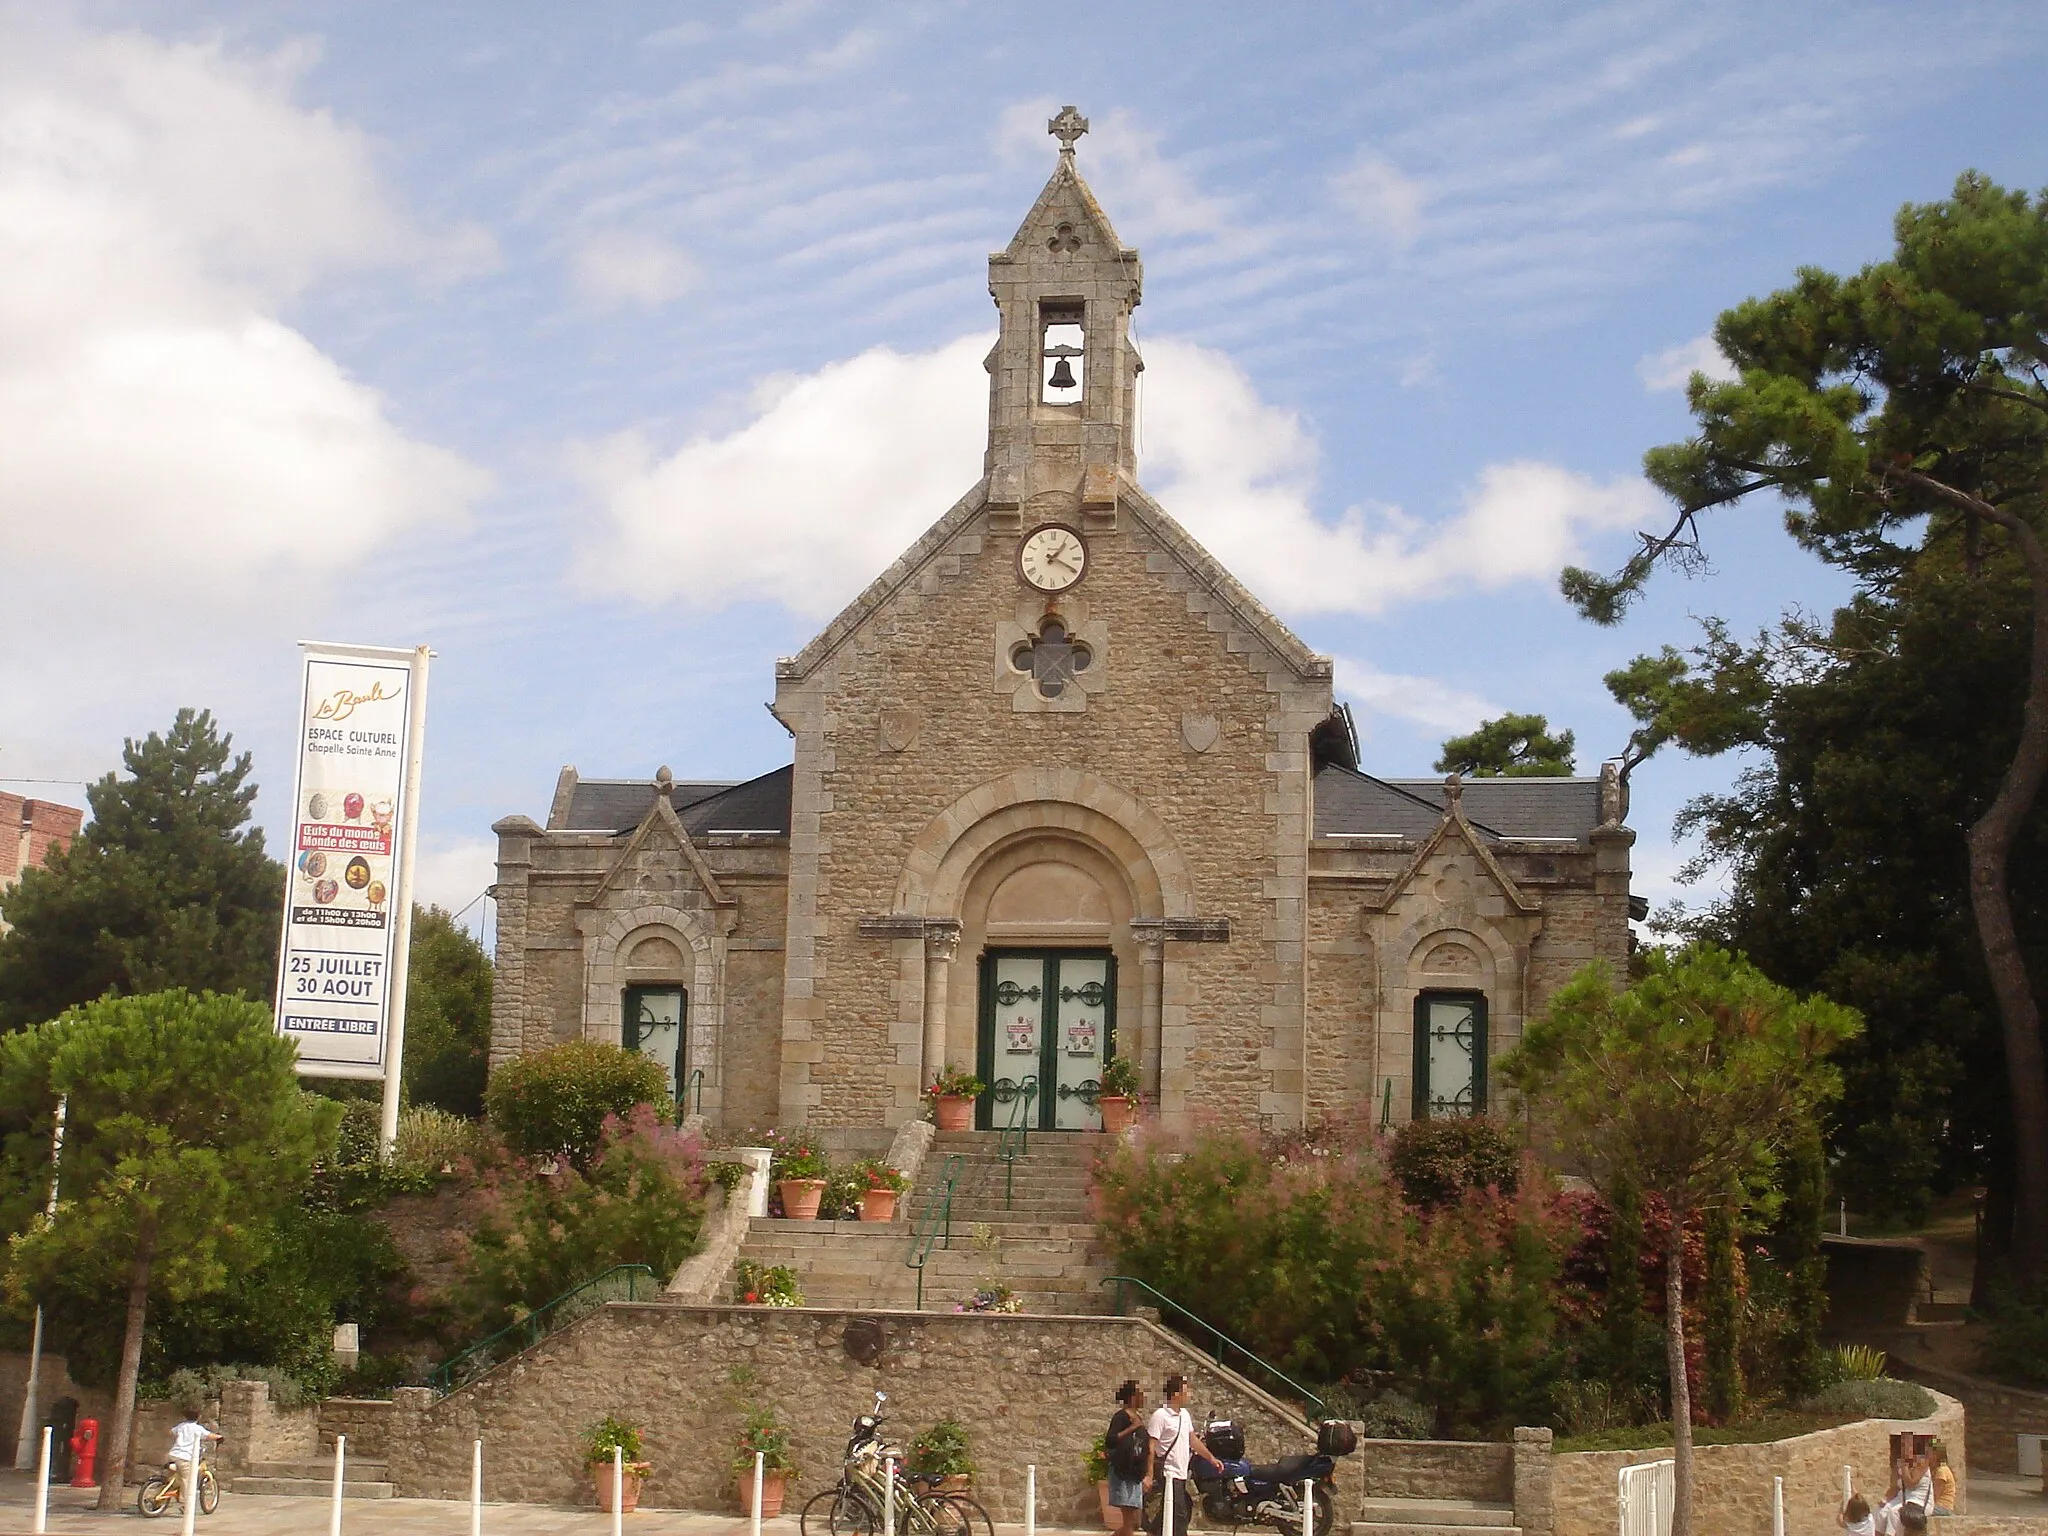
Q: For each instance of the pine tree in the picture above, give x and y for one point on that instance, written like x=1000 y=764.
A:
x=167 y=887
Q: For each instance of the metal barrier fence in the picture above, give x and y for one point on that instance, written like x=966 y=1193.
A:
x=1647 y=1493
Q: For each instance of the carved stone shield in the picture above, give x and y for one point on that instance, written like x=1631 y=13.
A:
x=1199 y=731
x=900 y=728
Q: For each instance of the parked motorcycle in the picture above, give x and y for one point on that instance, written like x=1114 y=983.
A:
x=1241 y=1493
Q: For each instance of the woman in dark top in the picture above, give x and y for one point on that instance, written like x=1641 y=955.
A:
x=1128 y=1447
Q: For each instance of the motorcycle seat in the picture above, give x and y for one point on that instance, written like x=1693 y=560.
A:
x=1288 y=1469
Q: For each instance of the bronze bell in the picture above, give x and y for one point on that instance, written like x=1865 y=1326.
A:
x=1062 y=376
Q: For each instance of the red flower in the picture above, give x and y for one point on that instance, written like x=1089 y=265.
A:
x=753 y=1296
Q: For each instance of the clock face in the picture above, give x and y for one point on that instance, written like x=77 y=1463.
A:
x=1052 y=558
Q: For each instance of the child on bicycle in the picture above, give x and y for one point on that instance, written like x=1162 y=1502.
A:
x=188 y=1443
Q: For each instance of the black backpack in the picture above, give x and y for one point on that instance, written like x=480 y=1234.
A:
x=1129 y=1456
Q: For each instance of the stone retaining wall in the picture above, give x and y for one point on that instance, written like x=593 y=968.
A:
x=1734 y=1482
x=365 y=1420
x=1030 y=1389
x=1999 y=1414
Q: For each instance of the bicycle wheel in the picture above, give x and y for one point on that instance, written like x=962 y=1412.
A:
x=955 y=1514
x=209 y=1491
x=154 y=1497
x=1326 y=1510
x=838 y=1512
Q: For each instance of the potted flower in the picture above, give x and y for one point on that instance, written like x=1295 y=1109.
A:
x=800 y=1174
x=992 y=1296
x=881 y=1186
x=1117 y=1094
x=942 y=1452
x=764 y=1434
x=1095 y=1467
x=607 y=1435
x=953 y=1093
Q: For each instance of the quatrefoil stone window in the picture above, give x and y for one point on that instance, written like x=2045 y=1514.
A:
x=1051 y=658
x=1054 y=660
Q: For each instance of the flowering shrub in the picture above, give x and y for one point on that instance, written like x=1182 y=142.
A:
x=766 y=1285
x=1436 y=1161
x=956 y=1083
x=555 y=1102
x=992 y=1298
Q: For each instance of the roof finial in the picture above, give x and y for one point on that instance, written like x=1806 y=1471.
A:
x=1067 y=127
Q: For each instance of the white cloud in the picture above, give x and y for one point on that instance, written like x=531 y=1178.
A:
x=841 y=469
x=1386 y=202
x=619 y=267
x=1674 y=367
x=1426 y=701
x=1147 y=193
x=451 y=872
x=1239 y=472
x=838 y=471
x=162 y=428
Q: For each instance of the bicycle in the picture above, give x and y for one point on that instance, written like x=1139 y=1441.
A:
x=856 y=1505
x=165 y=1487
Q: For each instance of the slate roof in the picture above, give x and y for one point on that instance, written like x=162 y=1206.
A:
x=620 y=805
x=1352 y=802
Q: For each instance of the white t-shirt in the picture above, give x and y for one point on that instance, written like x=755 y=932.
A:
x=1172 y=1430
x=188 y=1438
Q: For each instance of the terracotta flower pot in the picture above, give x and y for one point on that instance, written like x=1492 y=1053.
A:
x=954 y=1114
x=772 y=1484
x=878 y=1205
x=800 y=1198
x=629 y=1487
x=1116 y=1114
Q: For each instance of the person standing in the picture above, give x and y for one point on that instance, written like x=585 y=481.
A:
x=1172 y=1431
x=1130 y=1458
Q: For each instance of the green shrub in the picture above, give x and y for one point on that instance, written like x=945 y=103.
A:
x=641 y=1201
x=608 y=1434
x=1436 y=1161
x=765 y=1285
x=942 y=1451
x=187 y=1388
x=1856 y=1362
x=797 y=1156
x=432 y=1143
x=763 y=1433
x=1880 y=1399
x=554 y=1103
x=1380 y=1415
x=2016 y=1342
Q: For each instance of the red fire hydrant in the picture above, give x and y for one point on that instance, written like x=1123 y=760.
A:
x=85 y=1450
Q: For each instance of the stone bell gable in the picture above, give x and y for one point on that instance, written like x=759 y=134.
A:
x=1062 y=792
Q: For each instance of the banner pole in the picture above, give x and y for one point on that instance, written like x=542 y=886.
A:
x=401 y=937
x=24 y=1447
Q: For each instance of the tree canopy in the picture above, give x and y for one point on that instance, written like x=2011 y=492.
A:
x=1512 y=746
x=447 y=1015
x=167 y=886
x=1688 y=1085
x=1901 y=413
x=186 y=1131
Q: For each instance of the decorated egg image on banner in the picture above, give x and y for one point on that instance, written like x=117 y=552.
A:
x=375 y=893
x=358 y=873
x=312 y=863
x=326 y=891
x=316 y=808
x=352 y=806
x=380 y=815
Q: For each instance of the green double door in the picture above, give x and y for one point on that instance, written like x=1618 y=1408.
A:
x=1048 y=1014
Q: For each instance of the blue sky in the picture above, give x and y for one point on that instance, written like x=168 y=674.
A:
x=608 y=348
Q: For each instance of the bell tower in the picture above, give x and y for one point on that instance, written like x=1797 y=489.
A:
x=1063 y=375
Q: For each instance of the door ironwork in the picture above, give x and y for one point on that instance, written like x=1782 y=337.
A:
x=1049 y=1013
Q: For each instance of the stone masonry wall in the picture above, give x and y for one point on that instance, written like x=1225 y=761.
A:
x=1030 y=1389
x=1735 y=1481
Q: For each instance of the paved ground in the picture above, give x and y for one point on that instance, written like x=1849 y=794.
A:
x=249 y=1515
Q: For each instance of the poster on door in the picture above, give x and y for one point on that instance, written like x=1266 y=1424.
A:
x=349 y=874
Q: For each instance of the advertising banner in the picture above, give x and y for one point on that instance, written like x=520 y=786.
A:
x=348 y=891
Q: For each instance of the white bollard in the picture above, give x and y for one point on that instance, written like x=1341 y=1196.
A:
x=1843 y=1229
x=760 y=1476
x=1167 y=1527
x=191 y=1491
x=1848 y=1481
x=43 y=1486
x=618 y=1490
x=476 y=1491
x=340 y=1472
x=1777 y=1506
x=1308 y=1506
x=889 y=1496
x=1030 y=1499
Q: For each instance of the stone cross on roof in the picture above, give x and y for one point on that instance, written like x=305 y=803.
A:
x=1067 y=127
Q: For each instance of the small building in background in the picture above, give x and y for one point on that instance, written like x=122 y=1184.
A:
x=30 y=831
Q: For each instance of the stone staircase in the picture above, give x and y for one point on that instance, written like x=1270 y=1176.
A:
x=1433 y=1517
x=1042 y=1242
x=314 y=1479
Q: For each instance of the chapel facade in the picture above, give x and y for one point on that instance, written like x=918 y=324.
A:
x=1061 y=790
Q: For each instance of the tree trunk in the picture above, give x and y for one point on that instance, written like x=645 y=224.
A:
x=114 y=1449
x=1681 y=1392
x=1990 y=843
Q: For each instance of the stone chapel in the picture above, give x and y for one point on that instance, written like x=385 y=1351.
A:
x=1061 y=790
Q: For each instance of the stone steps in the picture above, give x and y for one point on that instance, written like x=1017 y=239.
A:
x=315 y=1479
x=1433 y=1517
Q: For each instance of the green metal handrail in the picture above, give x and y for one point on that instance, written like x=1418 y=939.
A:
x=1219 y=1341
x=934 y=1227
x=580 y=1301
x=1015 y=1140
x=694 y=1082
